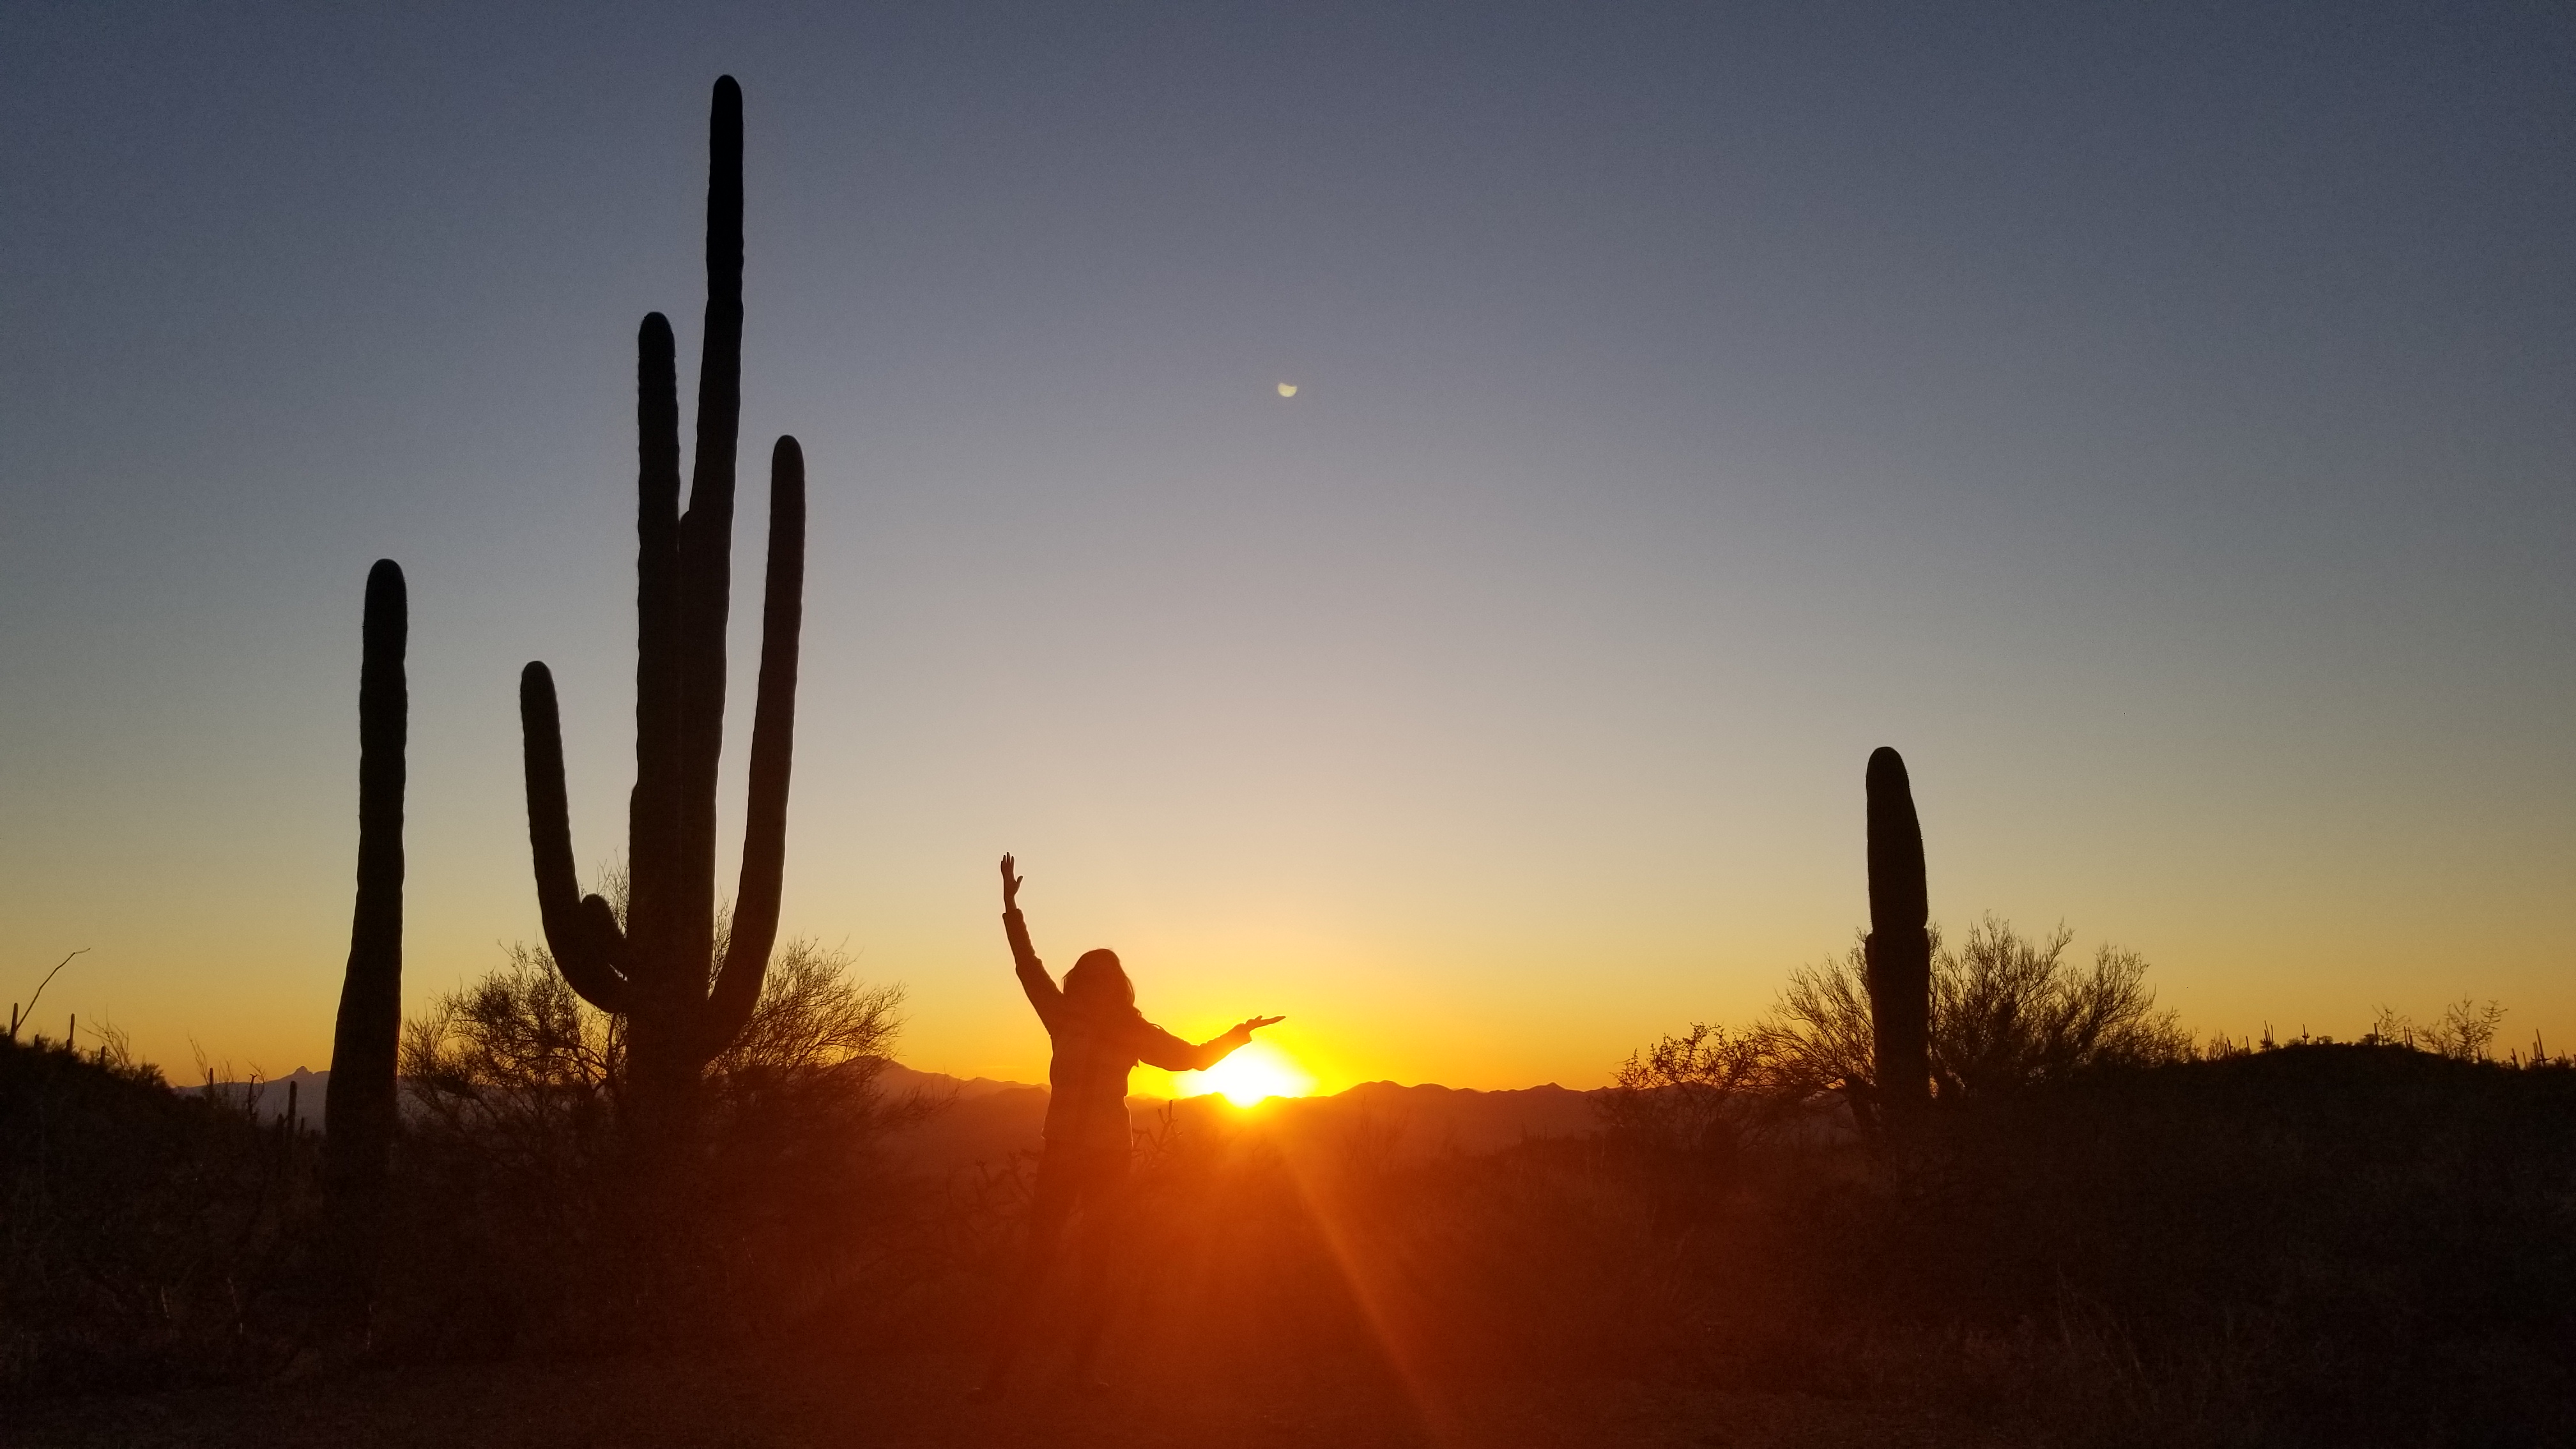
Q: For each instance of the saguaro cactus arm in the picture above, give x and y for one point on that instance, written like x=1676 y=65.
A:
x=1899 y=947
x=653 y=812
x=360 y=1115
x=705 y=585
x=720 y=356
x=773 y=743
x=1897 y=893
x=360 y=1118
x=582 y=933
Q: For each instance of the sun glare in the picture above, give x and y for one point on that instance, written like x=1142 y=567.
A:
x=1254 y=1074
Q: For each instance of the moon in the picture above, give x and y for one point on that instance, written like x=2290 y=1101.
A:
x=1287 y=389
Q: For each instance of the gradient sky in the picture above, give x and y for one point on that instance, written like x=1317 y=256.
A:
x=2159 y=422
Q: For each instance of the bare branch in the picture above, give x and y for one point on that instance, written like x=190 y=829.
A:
x=48 y=981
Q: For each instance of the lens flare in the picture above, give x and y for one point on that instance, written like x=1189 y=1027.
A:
x=1252 y=1075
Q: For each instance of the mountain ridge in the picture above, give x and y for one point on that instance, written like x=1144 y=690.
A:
x=988 y=1121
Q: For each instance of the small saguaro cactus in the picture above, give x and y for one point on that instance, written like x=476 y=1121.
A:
x=658 y=969
x=359 y=1115
x=1899 y=945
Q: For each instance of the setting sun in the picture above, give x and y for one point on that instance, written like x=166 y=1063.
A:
x=1251 y=1075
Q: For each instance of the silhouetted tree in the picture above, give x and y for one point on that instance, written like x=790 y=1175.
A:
x=2464 y=1032
x=1695 y=1093
x=359 y=1115
x=2007 y=1011
x=653 y=969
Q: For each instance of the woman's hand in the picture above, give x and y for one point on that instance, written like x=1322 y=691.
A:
x=1010 y=887
x=1235 y=1040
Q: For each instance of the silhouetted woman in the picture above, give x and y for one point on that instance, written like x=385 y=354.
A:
x=1099 y=1036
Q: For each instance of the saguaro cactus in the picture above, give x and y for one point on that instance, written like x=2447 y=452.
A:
x=1899 y=945
x=659 y=969
x=359 y=1115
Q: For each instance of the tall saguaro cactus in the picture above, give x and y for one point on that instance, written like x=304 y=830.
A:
x=1900 y=943
x=359 y=1116
x=659 y=969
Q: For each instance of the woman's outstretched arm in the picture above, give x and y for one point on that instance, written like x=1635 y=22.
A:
x=1162 y=1049
x=1044 y=994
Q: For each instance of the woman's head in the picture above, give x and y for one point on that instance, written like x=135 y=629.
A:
x=1098 y=983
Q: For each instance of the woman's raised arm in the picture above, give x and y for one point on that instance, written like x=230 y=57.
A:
x=1162 y=1049
x=1044 y=994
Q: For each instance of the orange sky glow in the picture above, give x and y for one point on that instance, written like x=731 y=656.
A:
x=2164 y=446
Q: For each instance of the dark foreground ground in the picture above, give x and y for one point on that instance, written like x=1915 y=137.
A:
x=792 y=1401
x=2317 y=1245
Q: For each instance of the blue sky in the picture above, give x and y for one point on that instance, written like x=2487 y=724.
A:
x=2155 y=423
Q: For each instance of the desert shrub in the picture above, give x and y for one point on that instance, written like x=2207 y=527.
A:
x=2302 y=1245
x=1697 y=1094
x=2013 y=1012
x=2386 y=1230
x=146 y=1238
x=2465 y=1031
x=571 y=1229
x=2109 y=1236
x=149 y=1238
x=2008 y=1011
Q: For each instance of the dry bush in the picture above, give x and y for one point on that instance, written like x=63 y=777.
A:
x=525 y=1179
x=1701 y=1094
x=2466 y=1031
x=146 y=1238
x=1820 y=1032
x=2008 y=1011
x=2108 y=1236
x=2306 y=1245
x=517 y=1065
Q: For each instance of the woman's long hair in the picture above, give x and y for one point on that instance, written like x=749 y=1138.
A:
x=1098 y=986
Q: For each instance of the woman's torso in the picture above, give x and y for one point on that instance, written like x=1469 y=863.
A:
x=1087 y=1081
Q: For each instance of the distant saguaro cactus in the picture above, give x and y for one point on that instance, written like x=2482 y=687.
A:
x=359 y=1115
x=1899 y=946
x=658 y=970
